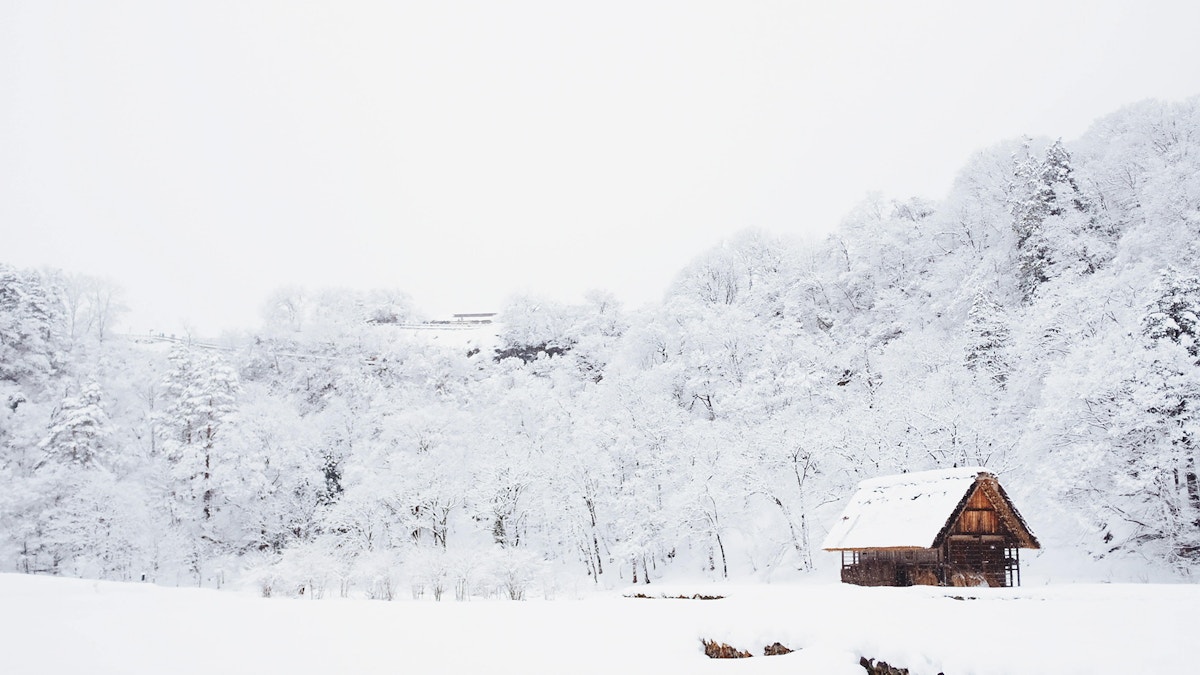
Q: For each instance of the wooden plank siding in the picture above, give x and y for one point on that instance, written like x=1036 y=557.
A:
x=983 y=555
x=979 y=516
x=892 y=567
x=977 y=546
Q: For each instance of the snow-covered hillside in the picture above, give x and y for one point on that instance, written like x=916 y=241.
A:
x=1040 y=320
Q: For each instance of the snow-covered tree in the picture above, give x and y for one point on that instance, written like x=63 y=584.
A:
x=1174 y=315
x=987 y=338
x=1055 y=222
x=30 y=328
x=201 y=396
x=79 y=428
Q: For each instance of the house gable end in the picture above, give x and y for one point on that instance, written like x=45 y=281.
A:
x=985 y=509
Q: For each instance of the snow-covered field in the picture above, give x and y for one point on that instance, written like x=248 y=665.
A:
x=56 y=625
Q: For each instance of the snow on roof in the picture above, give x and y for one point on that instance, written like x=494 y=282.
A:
x=459 y=335
x=904 y=511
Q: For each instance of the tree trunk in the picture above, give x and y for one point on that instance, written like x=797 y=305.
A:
x=724 y=563
x=207 y=496
x=1193 y=486
x=801 y=548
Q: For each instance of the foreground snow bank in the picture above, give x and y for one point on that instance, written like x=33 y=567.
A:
x=54 y=625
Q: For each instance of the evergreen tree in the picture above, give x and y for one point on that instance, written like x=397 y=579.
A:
x=79 y=428
x=987 y=338
x=30 y=328
x=202 y=392
x=1031 y=203
x=1174 y=314
x=1171 y=324
x=1052 y=219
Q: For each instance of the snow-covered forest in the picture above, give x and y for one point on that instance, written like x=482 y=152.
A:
x=1041 y=320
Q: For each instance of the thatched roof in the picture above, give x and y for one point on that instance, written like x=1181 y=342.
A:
x=917 y=510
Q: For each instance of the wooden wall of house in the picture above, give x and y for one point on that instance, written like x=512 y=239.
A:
x=977 y=542
x=979 y=516
x=894 y=568
x=969 y=555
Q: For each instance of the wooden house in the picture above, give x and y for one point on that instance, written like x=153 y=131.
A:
x=950 y=527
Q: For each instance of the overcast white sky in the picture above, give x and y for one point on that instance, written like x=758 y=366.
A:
x=202 y=154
